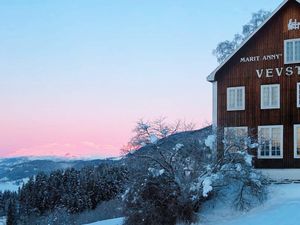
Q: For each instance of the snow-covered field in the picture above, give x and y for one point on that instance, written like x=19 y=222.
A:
x=282 y=208
x=2 y=220
x=11 y=185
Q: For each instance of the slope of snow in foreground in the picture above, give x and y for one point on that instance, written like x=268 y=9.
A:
x=2 y=220
x=117 y=221
x=281 y=208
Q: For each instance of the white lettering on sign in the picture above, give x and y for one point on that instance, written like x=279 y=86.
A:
x=293 y=24
x=270 y=72
x=260 y=58
x=250 y=59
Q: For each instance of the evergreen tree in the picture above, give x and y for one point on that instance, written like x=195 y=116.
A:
x=72 y=190
x=11 y=214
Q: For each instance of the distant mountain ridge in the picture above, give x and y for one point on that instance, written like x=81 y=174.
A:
x=17 y=168
x=15 y=171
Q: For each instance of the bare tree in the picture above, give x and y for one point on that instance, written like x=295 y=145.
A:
x=149 y=132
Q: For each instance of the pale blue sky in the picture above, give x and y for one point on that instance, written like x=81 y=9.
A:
x=84 y=71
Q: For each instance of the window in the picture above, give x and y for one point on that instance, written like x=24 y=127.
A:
x=235 y=98
x=270 y=140
x=297 y=141
x=270 y=96
x=235 y=138
x=291 y=51
x=298 y=95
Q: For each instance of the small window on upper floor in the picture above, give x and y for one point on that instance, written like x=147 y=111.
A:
x=292 y=51
x=270 y=96
x=235 y=98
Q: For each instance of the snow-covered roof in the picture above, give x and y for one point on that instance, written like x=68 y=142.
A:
x=211 y=77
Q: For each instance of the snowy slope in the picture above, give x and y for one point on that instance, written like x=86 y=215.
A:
x=14 y=169
x=282 y=208
x=11 y=185
x=117 y=221
x=2 y=220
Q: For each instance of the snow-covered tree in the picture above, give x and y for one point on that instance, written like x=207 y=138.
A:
x=64 y=193
x=11 y=214
x=225 y=48
x=181 y=177
x=232 y=174
x=162 y=193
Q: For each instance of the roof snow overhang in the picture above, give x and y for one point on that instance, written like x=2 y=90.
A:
x=211 y=77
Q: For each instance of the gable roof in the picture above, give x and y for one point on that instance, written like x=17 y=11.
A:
x=211 y=77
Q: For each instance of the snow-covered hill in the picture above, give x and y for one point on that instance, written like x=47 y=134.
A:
x=8 y=185
x=282 y=208
x=117 y=221
x=2 y=220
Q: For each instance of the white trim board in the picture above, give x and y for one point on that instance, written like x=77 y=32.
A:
x=298 y=95
x=215 y=104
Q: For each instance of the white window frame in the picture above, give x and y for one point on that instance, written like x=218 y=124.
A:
x=296 y=126
x=235 y=108
x=270 y=96
x=285 y=51
x=298 y=95
x=259 y=156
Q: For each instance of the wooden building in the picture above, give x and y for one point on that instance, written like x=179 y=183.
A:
x=257 y=89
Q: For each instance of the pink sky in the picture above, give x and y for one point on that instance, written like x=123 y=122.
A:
x=75 y=138
x=77 y=75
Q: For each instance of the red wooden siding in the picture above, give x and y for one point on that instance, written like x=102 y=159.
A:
x=269 y=40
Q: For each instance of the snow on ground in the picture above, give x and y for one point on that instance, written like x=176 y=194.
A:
x=2 y=220
x=282 y=208
x=281 y=174
x=11 y=185
x=117 y=221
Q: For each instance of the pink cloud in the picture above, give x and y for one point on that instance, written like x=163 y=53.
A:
x=80 y=149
